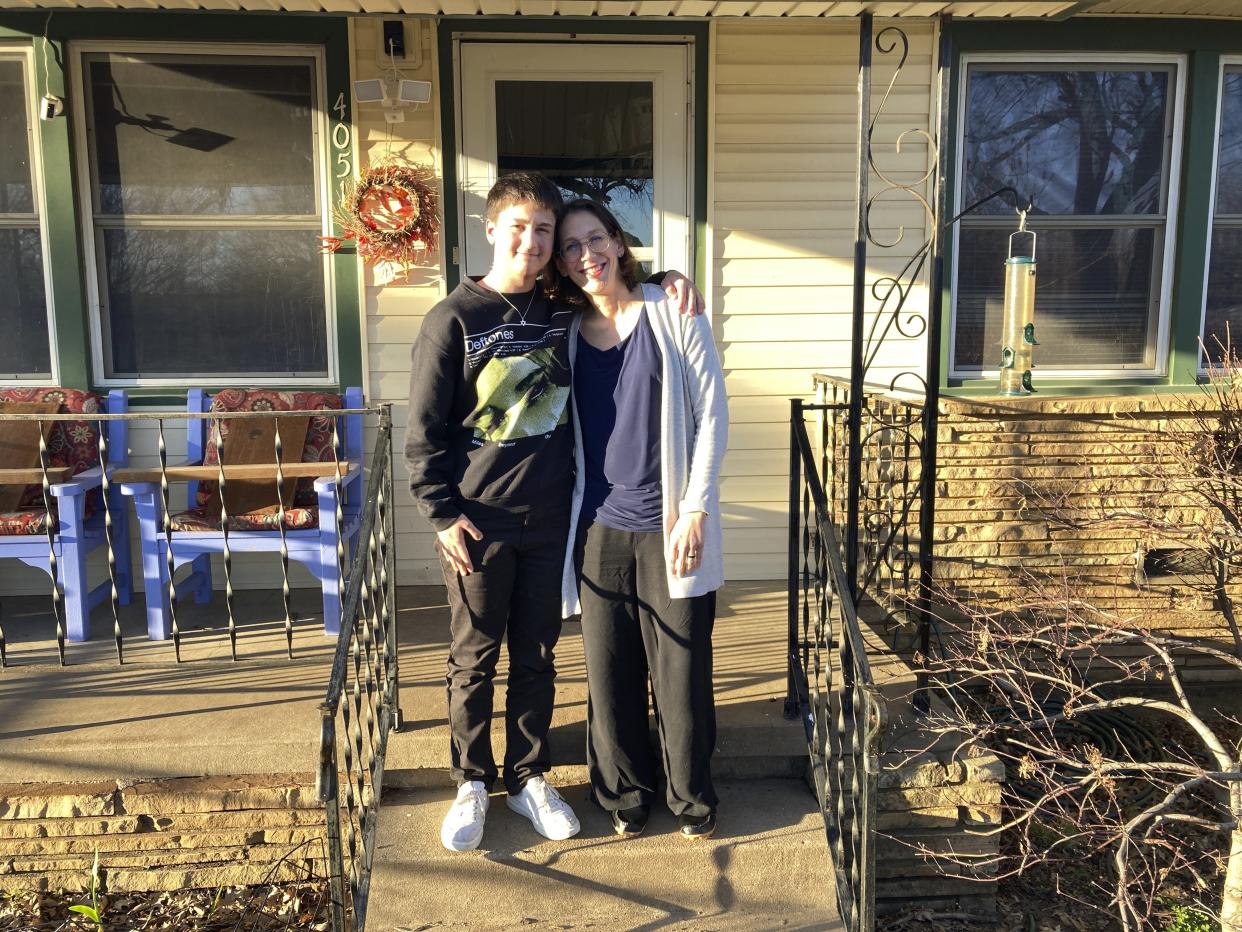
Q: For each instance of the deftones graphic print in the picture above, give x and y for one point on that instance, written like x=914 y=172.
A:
x=523 y=381
x=489 y=403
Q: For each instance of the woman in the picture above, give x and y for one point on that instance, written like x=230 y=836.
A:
x=650 y=420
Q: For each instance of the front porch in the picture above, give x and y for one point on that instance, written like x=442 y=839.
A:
x=203 y=773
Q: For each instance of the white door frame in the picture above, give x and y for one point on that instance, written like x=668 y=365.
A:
x=480 y=64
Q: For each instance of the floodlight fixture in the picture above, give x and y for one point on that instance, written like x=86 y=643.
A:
x=413 y=92
x=370 y=91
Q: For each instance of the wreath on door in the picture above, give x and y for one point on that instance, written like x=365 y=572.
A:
x=391 y=211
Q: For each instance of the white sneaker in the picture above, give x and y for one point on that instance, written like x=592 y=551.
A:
x=462 y=829
x=545 y=808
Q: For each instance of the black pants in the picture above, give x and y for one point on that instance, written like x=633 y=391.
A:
x=515 y=589
x=631 y=627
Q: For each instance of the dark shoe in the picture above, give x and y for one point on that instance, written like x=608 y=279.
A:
x=695 y=827
x=630 y=822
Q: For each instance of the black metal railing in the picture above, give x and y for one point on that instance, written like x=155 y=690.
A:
x=830 y=685
x=95 y=501
x=893 y=552
x=362 y=703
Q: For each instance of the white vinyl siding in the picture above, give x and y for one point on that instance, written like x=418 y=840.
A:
x=394 y=307
x=783 y=175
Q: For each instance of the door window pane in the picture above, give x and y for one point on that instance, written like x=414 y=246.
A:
x=205 y=141
x=215 y=302
x=25 y=350
x=1091 y=146
x=594 y=139
x=203 y=136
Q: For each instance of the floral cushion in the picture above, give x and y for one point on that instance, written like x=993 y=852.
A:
x=199 y=519
x=33 y=521
x=69 y=443
x=318 y=448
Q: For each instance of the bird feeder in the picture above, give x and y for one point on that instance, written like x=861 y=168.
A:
x=1018 y=324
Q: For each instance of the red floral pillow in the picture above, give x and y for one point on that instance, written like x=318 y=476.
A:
x=318 y=448
x=69 y=443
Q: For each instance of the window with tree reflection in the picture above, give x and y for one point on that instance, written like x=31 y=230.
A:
x=1222 y=319
x=25 y=351
x=207 y=216
x=1090 y=145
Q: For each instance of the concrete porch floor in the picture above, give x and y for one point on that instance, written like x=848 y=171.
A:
x=151 y=717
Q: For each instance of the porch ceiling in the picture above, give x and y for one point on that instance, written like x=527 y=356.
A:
x=978 y=9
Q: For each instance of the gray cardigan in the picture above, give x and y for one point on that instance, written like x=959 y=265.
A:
x=694 y=428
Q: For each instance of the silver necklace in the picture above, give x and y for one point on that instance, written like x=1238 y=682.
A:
x=521 y=314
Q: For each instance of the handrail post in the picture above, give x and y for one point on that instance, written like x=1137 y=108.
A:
x=857 y=364
x=795 y=495
x=931 y=406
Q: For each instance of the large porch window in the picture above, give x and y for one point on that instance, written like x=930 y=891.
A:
x=1222 y=323
x=1094 y=144
x=25 y=350
x=206 y=204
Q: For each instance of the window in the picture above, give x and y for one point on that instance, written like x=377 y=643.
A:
x=1093 y=144
x=25 y=351
x=1222 y=317
x=206 y=208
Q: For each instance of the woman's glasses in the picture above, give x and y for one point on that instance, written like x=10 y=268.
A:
x=572 y=250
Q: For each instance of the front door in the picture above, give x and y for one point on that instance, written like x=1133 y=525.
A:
x=608 y=121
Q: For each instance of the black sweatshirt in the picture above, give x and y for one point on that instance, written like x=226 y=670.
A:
x=489 y=404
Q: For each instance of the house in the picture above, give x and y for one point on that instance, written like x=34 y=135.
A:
x=169 y=173
x=169 y=170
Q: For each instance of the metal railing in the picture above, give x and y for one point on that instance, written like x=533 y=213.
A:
x=362 y=703
x=830 y=685
x=80 y=513
x=892 y=548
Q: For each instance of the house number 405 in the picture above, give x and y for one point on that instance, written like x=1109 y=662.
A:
x=341 y=137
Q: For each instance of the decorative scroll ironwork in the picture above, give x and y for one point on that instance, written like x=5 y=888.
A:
x=889 y=497
x=893 y=291
x=831 y=688
x=362 y=702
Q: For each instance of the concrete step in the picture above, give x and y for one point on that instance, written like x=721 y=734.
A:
x=766 y=868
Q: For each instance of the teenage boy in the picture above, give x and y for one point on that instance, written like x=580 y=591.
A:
x=489 y=448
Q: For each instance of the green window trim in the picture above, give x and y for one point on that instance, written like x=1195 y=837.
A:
x=68 y=296
x=572 y=27
x=1203 y=43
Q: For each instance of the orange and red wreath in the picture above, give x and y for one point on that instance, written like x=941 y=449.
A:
x=391 y=212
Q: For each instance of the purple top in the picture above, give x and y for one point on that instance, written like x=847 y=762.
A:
x=617 y=392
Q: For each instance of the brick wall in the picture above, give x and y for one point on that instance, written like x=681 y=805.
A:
x=936 y=802
x=190 y=832
x=1001 y=461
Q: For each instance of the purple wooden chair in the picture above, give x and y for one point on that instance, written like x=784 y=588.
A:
x=78 y=503
x=311 y=527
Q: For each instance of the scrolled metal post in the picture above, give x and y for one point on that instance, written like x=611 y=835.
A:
x=931 y=405
x=857 y=364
